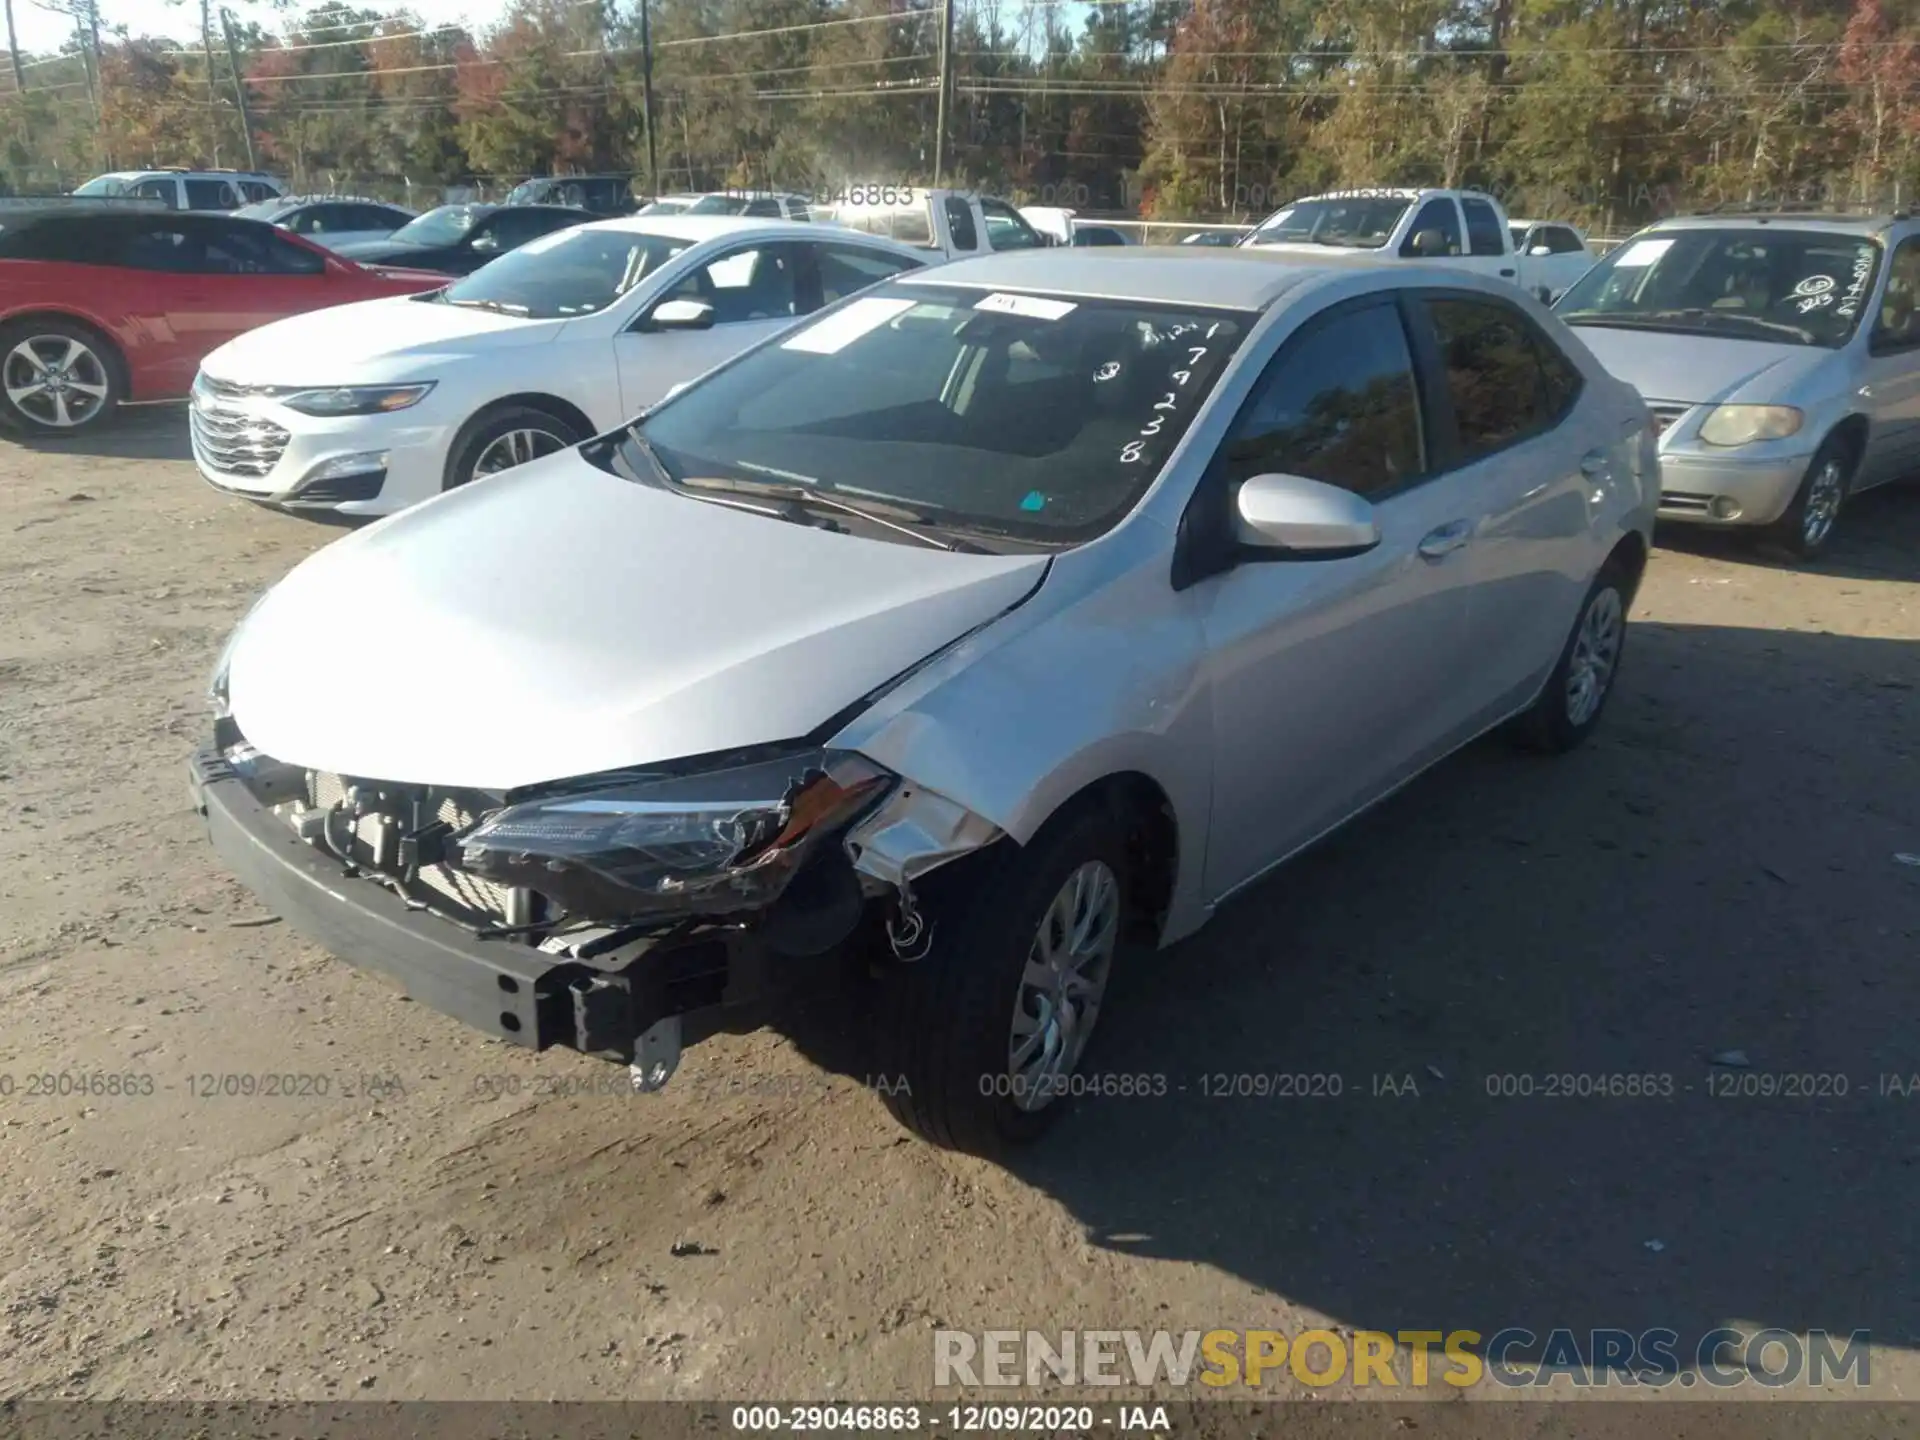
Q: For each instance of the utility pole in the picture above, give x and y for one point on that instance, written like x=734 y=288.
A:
x=946 y=88
x=646 y=98
x=239 y=88
x=13 y=53
x=213 y=93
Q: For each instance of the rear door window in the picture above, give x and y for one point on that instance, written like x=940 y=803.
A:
x=845 y=269
x=211 y=195
x=243 y=249
x=1483 y=227
x=1506 y=380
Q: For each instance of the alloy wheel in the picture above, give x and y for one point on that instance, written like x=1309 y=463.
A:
x=516 y=448
x=1596 y=653
x=1825 y=492
x=1061 y=987
x=55 y=380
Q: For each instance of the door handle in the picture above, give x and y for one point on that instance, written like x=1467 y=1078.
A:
x=1506 y=274
x=1446 y=539
x=1593 y=462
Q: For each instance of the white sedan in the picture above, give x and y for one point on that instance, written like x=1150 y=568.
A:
x=366 y=409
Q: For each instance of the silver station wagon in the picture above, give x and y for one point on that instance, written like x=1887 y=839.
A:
x=1780 y=354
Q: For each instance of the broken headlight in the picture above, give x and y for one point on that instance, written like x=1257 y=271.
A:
x=712 y=843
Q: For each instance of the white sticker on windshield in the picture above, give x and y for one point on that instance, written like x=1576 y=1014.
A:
x=1031 y=306
x=1643 y=252
x=843 y=327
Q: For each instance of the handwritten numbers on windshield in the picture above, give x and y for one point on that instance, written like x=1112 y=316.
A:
x=1862 y=272
x=1814 y=292
x=1134 y=451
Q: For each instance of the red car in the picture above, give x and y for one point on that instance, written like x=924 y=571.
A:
x=103 y=305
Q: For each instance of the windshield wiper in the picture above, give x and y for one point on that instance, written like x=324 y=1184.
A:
x=649 y=454
x=1700 y=320
x=805 y=495
x=498 y=307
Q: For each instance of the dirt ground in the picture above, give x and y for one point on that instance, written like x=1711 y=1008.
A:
x=1716 y=872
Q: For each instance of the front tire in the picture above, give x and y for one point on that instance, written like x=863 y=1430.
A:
x=1570 y=705
x=57 y=378
x=1803 y=532
x=506 y=439
x=981 y=1038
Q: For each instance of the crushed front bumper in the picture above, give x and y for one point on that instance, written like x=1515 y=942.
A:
x=602 y=1004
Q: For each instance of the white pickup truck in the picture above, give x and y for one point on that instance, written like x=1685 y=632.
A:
x=1463 y=228
x=952 y=222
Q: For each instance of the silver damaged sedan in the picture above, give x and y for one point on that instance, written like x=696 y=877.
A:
x=977 y=636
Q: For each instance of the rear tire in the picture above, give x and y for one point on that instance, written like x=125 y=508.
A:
x=505 y=439
x=1005 y=926
x=58 y=378
x=1575 y=695
x=1808 y=525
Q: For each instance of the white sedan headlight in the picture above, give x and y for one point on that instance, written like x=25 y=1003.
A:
x=1731 y=425
x=358 y=399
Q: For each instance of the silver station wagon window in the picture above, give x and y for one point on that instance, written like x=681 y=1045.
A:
x=1802 y=287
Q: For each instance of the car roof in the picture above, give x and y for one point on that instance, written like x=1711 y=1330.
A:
x=1154 y=274
x=1847 y=223
x=696 y=228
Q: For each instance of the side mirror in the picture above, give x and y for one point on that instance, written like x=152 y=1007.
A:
x=1540 y=250
x=1427 y=243
x=681 y=315
x=1304 y=517
x=485 y=244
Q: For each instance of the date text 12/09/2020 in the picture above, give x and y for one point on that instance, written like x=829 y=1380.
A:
x=948 y=1419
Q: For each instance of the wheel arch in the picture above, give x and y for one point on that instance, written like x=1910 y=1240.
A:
x=1142 y=804
x=1852 y=431
x=554 y=405
x=1631 y=554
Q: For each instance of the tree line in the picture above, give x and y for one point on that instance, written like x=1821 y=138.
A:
x=1606 y=112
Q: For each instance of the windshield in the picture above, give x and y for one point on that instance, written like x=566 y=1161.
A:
x=1031 y=418
x=263 y=210
x=1361 y=223
x=104 y=185
x=665 y=207
x=568 y=273
x=442 y=226
x=718 y=205
x=1801 y=287
x=1519 y=234
x=527 y=192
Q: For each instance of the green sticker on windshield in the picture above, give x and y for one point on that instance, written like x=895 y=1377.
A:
x=1034 y=501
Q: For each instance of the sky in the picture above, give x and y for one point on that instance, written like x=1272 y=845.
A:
x=41 y=31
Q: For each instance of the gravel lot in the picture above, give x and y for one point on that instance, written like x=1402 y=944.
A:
x=1716 y=872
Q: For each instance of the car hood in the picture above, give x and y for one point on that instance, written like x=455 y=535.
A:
x=371 y=341
x=375 y=250
x=557 y=621
x=1698 y=369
